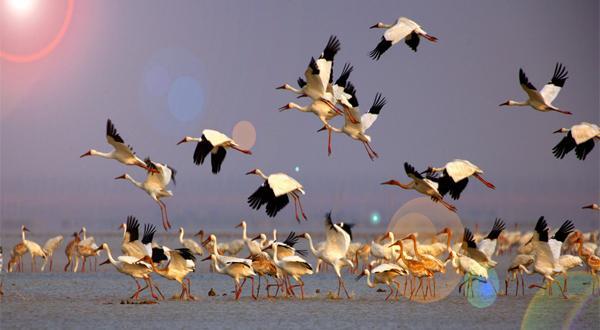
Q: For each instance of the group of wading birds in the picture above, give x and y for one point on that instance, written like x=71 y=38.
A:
x=383 y=261
x=280 y=261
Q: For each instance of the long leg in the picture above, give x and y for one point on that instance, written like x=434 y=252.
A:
x=344 y=286
x=328 y=141
x=166 y=222
x=487 y=183
x=368 y=152
x=189 y=289
x=151 y=285
x=300 y=204
x=295 y=200
x=372 y=151
x=252 y=281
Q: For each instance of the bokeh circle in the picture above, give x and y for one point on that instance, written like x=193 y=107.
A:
x=244 y=134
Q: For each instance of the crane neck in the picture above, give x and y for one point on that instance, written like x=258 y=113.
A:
x=109 y=254
x=108 y=155
x=216 y=265
x=244 y=233
x=370 y=283
x=23 y=235
x=311 y=246
x=135 y=183
x=275 y=258
x=181 y=233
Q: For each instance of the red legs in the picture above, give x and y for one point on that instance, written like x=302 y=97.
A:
x=522 y=284
x=367 y=144
x=189 y=288
x=296 y=207
x=139 y=289
x=247 y=152
x=297 y=200
x=391 y=292
x=447 y=205
x=368 y=151
x=252 y=281
x=152 y=285
x=485 y=182
x=328 y=141
x=300 y=284
x=417 y=291
x=165 y=217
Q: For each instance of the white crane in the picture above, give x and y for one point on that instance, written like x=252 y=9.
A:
x=155 y=185
x=455 y=176
x=190 y=244
x=482 y=252
x=293 y=266
x=357 y=129
x=131 y=244
x=49 y=247
x=338 y=237
x=214 y=143
x=133 y=267
x=35 y=250
x=580 y=137
x=87 y=248
x=236 y=270
x=384 y=274
x=423 y=185
x=176 y=265
x=254 y=247
x=122 y=152
x=542 y=100
x=221 y=258
x=515 y=270
x=275 y=193
x=318 y=76
x=466 y=265
x=322 y=109
x=404 y=28
x=546 y=253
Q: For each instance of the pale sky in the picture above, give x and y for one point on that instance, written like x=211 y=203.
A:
x=162 y=70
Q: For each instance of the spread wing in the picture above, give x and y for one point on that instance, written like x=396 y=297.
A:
x=411 y=172
x=369 y=118
x=215 y=138
x=564 y=146
x=529 y=88
x=114 y=139
x=282 y=184
x=551 y=89
x=202 y=150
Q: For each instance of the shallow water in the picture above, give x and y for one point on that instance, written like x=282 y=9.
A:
x=77 y=300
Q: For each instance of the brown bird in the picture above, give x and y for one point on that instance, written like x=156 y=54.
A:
x=71 y=252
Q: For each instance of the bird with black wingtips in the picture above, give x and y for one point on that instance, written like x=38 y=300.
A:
x=214 y=143
x=455 y=177
x=357 y=129
x=422 y=185
x=122 y=152
x=542 y=100
x=580 y=137
x=546 y=252
x=175 y=265
x=404 y=28
x=274 y=193
x=338 y=237
x=158 y=178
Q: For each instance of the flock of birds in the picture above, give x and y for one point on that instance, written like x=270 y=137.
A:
x=383 y=259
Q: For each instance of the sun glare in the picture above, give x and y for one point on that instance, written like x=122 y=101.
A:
x=21 y=6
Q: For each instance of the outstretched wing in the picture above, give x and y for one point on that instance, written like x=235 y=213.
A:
x=412 y=41
x=564 y=146
x=551 y=89
x=217 y=158
x=202 y=150
x=369 y=118
x=528 y=87
x=261 y=196
x=411 y=172
x=115 y=140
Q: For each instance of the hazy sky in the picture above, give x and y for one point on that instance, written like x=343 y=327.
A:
x=165 y=69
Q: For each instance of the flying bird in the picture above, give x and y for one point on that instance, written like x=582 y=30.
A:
x=122 y=152
x=542 y=100
x=455 y=177
x=423 y=185
x=579 y=137
x=357 y=130
x=275 y=193
x=214 y=143
x=404 y=28
x=158 y=178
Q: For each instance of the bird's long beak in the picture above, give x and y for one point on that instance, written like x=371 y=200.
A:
x=301 y=96
x=255 y=238
x=251 y=172
x=283 y=108
x=120 y=177
x=503 y=104
x=557 y=131
x=88 y=153
x=238 y=225
x=205 y=242
x=591 y=206
x=184 y=140
x=388 y=182
x=25 y=229
x=322 y=129
x=105 y=262
x=206 y=257
x=200 y=233
x=280 y=87
x=374 y=26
